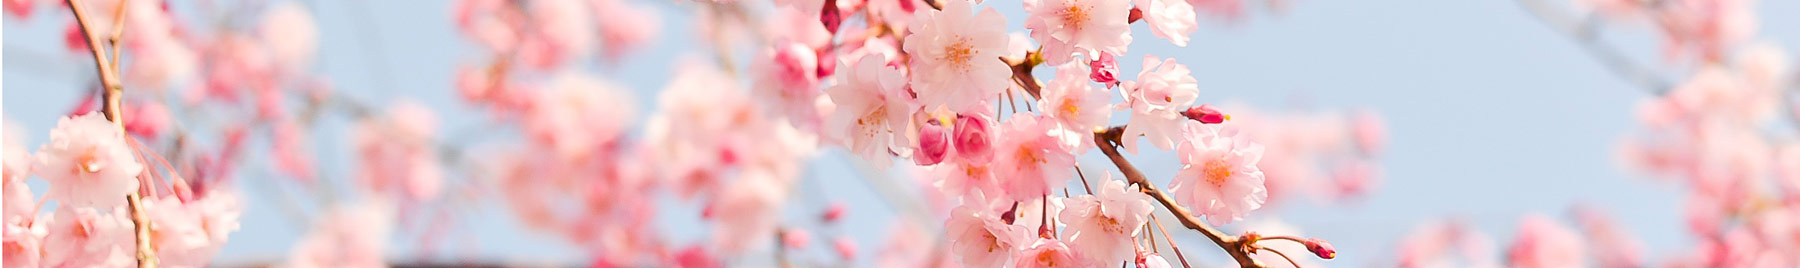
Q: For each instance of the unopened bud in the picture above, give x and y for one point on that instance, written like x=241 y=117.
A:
x=1321 y=248
x=1206 y=114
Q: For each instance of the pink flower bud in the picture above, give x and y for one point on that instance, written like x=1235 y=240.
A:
x=845 y=248
x=934 y=144
x=147 y=119
x=1321 y=248
x=795 y=238
x=1206 y=114
x=834 y=212
x=973 y=142
x=1104 y=70
x=831 y=16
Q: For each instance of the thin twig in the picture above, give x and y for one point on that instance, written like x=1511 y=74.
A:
x=114 y=92
x=1584 y=31
x=1231 y=244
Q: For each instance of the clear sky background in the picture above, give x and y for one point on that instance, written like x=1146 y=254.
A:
x=1491 y=114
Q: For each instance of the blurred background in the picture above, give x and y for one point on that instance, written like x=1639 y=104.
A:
x=1491 y=114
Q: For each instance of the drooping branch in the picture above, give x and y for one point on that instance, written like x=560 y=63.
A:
x=1585 y=32
x=114 y=92
x=1239 y=248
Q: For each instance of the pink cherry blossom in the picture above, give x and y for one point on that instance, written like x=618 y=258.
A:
x=1075 y=103
x=1162 y=90
x=1169 y=19
x=291 y=34
x=787 y=78
x=1050 y=253
x=955 y=56
x=872 y=110
x=973 y=139
x=563 y=30
x=397 y=153
x=934 y=144
x=1104 y=70
x=482 y=20
x=1152 y=260
x=1219 y=177
x=23 y=246
x=979 y=239
x=1031 y=215
x=1104 y=225
x=1544 y=243
x=89 y=237
x=746 y=213
x=88 y=163
x=346 y=236
x=1034 y=159
x=180 y=235
x=1072 y=27
x=962 y=178
x=625 y=26
x=577 y=114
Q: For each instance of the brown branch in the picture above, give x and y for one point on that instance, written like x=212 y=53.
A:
x=113 y=93
x=1240 y=249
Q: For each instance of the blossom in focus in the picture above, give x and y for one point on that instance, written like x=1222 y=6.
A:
x=1104 y=225
x=955 y=56
x=1034 y=159
x=1543 y=243
x=1075 y=103
x=872 y=110
x=1162 y=90
x=1079 y=27
x=88 y=163
x=1051 y=253
x=1171 y=19
x=979 y=239
x=89 y=237
x=1219 y=178
x=974 y=139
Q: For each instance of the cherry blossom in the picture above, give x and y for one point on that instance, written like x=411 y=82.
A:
x=979 y=239
x=1071 y=27
x=1219 y=177
x=1075 y=103
x=1544 y=243
x=1156 y=100
x=578 y=114
x=1049 y=253
x=87 y=163
x=745 y=214
x=955 y=56
x=788 y=79
x=872 y=110
x=88 y=237
x=347 y=236
x=1169 y=19
x=289 y=31
x=397 y=152
x=1104 y=225
x=1034 y=159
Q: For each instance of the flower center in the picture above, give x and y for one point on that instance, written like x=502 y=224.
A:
x=959 y=53
x=1073 y=16
x=1047 y=258
x=975 y=171
x=88 y=161
x=993 y=243
x=1217 y=172
x=1069 y=108
x=1027 y=155
x=1109 y=224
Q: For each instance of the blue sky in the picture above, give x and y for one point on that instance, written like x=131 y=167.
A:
x=1491 y=114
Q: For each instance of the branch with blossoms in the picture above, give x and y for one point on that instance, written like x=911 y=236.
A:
x=1708 y=127
x=883 y=79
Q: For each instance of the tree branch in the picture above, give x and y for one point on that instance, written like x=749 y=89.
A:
x=109 y=78
x=1240 y=249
